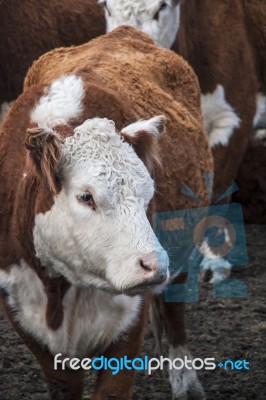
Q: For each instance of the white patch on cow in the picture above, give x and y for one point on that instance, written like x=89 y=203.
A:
x=92 y=318
x=219 y=117
x=153 y=125
x=220 y=269
x=259 y=120
x=102 y=246
x=184 y=380
x=261 y=135
x=61 y=102
x=159 y=19
x=215 y=262
x=4 y=110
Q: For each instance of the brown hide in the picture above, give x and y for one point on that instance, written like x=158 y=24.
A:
x=29 y=28
x=213 y=39
x=255 y=14
x=151 y=86
x=251 y=180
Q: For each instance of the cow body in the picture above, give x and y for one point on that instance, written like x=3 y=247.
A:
x=92 y=319
x=224 y=42
x=75 y=239
x=255 y=16
x=30 y=29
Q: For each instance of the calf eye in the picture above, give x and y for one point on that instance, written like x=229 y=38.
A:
x=87 y=199
x=162 y=6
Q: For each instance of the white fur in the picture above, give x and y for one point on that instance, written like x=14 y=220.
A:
x=141 y=14
x=61 y=102
x=4 y=110
x=219 y=117
x=215 y=261
x=183 y=380
x=153 y=125
x=261 y=135
x=92 y=318
x=259 y=120
x=101 y=247
x=219 y=267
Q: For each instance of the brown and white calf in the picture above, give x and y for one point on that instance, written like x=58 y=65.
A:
x=225 y=43
x=78 y=253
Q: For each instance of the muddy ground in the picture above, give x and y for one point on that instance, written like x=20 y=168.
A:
x=220 y=328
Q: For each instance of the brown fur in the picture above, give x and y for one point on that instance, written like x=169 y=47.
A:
x=213 y=39
x=255 y=14
x=28 y=29
x=145 y=95
x=146 y=148
x=44 y=147
x=126 y=77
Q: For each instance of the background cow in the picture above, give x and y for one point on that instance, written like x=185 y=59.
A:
x=225 y=44
x=74 y=234
x=29 y=29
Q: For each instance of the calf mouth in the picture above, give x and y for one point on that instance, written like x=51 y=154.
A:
x=142 y=288
x=160 y=281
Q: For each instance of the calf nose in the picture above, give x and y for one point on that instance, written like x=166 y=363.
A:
x=149 y=264
x=150 y=268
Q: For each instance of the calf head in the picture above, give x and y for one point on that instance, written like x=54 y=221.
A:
x=96 y=231
x=157 y=18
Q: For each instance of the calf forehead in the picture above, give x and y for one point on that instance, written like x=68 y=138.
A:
x=98 y=153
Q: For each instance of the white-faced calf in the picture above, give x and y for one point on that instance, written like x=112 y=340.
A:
x=78 y=254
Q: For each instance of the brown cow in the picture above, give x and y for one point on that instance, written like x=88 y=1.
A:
x=225 y=43
x=75 y=239
x=30 y=28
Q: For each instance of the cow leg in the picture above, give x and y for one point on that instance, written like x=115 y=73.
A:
x=66 y=387
x=62 y=384
x=119 y=387
x=184 y=382
x=227 y=159
x=228 y=122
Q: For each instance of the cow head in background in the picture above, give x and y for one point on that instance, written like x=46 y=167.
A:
x=97 y=232
x=158 y=18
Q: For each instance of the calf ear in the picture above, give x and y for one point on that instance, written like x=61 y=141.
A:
x=143 y=136
x=44 y=148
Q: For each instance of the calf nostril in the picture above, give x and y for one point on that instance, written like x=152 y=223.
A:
x=146 y=265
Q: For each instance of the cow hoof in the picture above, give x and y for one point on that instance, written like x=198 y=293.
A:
x=186 y=386
x=184 y=382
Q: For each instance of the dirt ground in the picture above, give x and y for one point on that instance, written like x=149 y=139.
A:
x=220 y=328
